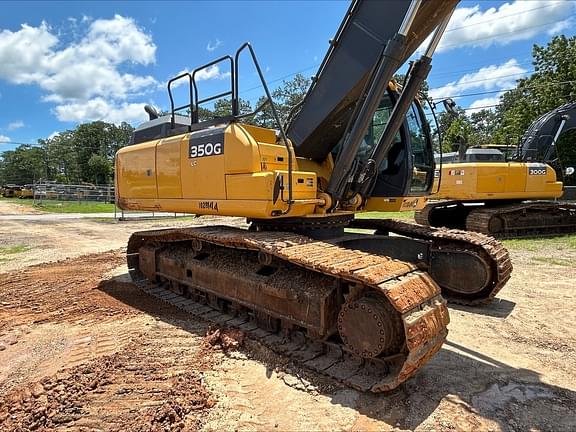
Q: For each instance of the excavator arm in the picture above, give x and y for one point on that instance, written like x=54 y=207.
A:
x=338 y=109
x=539 y=141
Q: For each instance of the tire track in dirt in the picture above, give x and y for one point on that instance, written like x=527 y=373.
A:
x=76 y=356
x=156 y=381
x=63 y=291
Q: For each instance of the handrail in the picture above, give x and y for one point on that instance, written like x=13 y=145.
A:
x=193 y=96
x=206 y=66
x=234 y=65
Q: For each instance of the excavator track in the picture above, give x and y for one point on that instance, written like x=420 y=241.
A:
x=526 y=219
x=422 y=216
x=455 y=242
x=364 y=320
x=449 y=214
x=530 y=219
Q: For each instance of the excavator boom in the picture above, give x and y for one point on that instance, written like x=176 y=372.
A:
x=354 y=51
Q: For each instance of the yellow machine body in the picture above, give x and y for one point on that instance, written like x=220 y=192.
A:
x=485 y=181
x=238 y=177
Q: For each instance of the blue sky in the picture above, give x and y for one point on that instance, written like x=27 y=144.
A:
x=63 y=63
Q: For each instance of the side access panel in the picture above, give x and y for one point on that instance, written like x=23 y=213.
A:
x=203 y=165
x=136 y=171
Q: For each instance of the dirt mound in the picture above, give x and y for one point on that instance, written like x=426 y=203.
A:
x=86 y=352
x=132 y=390
x=227 y=339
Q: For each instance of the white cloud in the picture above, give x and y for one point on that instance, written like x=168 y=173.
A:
x=15 y=125
x=484 y=103
x=24 y=54
x=209 y=73
x=512 y=21
x=53 y=134
x=101 y=109
x=87 y=70
x=494 y=77
x=213 y=46
x=4 y=139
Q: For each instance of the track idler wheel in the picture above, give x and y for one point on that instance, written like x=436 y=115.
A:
x=369 y=326
x=495 y=225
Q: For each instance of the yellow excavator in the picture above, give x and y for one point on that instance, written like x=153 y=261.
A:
x=363 y=307
x=508 y=198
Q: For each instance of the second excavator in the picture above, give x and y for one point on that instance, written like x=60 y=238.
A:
x=510 y=198
x=363 y=308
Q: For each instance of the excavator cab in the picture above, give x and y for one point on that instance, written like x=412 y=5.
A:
x=408 y=170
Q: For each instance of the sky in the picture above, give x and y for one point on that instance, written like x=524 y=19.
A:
x=65 y=63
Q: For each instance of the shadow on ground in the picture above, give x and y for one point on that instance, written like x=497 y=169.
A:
x=463 y=388
x=497 y=308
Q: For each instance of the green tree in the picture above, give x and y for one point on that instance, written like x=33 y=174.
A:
x=223 y=108
x=552 y=84
x=458 y=132
x=285 y=97
x=483 y=125
x=25 y=164
x=99 y=169
x=61 y=158
x=83 y=154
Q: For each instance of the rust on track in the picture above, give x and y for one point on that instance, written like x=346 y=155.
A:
x=488 y=250
x=413 y=295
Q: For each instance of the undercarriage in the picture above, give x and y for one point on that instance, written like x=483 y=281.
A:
x=366 y=309
x=366 y=320
x=502 y=220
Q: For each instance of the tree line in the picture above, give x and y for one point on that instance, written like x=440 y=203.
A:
x=82 y=155
x=86 y=153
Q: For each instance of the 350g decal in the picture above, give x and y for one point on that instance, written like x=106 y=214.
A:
x=206 y=143
x=201 y=149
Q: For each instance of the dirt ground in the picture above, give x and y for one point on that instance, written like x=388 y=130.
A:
x=11 y=208
x=82 y=349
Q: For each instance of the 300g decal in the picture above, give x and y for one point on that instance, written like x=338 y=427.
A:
x=536 y=171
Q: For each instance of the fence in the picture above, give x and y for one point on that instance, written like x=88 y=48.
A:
x=85 y=193
x=67 y=192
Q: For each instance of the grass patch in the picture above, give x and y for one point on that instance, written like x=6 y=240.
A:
x=23 y=201
x=50 y=206
x=7 y=252
x=555 y=261
x=406 y=215
x=560 y=243
x=74 y=207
